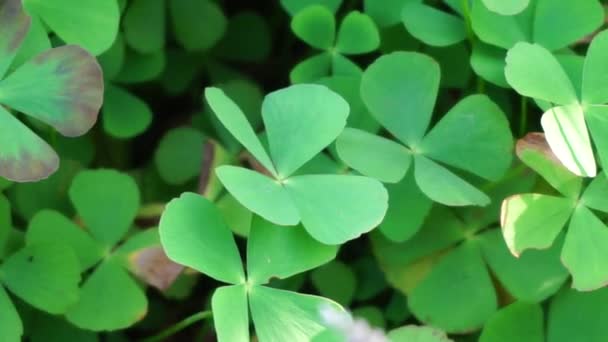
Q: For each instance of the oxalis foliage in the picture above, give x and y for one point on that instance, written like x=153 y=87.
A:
x=303 y=170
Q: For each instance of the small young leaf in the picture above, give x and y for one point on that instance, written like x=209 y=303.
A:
x=187 y=16
x=357 y=34
x=316 y=26
x=144 y=25
x=336 y=281
x=295 y=6
x=412 y=333
x=311 y=69
x=194 y=234
x=124 y=114
x=179 y=156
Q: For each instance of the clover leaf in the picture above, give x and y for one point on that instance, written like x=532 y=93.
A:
x=536 y=24
x=194 y=234
x=433 y=26
x=535 y=220
x=144 y=24
x=571 y=114
x=61 y=87
x=565 y=322
x=519 y=321
x=458 y=251
x=316 y=25
x=44 y=275
x=91 y=24
x=300 y=122
x=107 y=202
x=506 y=7
x=399 y=90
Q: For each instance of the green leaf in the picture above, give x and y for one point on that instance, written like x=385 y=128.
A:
x=248 y=38
x=236 y=122
x=385 y=13
x=535 y=152
x=107 y=201
x=412 y=333
x=124 y=114
x=408 y=207
x=489 y=63
x=519 y=321
x=335 y=280
x=10 y=322
x=62 y=87
x=36 y=41
x=141 y=68
x=180 y=154
x=532 y=277
x=338 y=208
x=45 y=276
x=566 y=133
x=47 y=328
x=316 y=26
x=91 y=24
x=295 y=6
x=500 y=30
x=24 y=157
x=595 y=71
x=559 y=23
x=534 y=72
x=311 y=69
x=585 y=250
x=260 y=194
x=357 y=34
x=5 y=223
x=432 y=26
x=280 y=252
x=194 y=234
x=397 y=76
x=113 y=59
x=47 y=225
x=533 y=220
x=597 y=122
x=473 y=136
x=144 y=25
x=109 y=300
x=15 y=26
x=280 y=315
x=231 y=313
x=594 y=196
x=575 y=314
x=457 y=295
x=373 y=156
x=300 y=122
x=187 y=17
x=443 y=186
x=506 y=7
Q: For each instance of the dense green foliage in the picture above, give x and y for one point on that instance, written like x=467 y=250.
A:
x=303 y=170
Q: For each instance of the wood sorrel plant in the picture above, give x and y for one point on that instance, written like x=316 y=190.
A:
x=318 y=170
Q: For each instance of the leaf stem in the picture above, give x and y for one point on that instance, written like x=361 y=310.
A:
x=466 y=13
x=177 y=327
x=523 y=123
